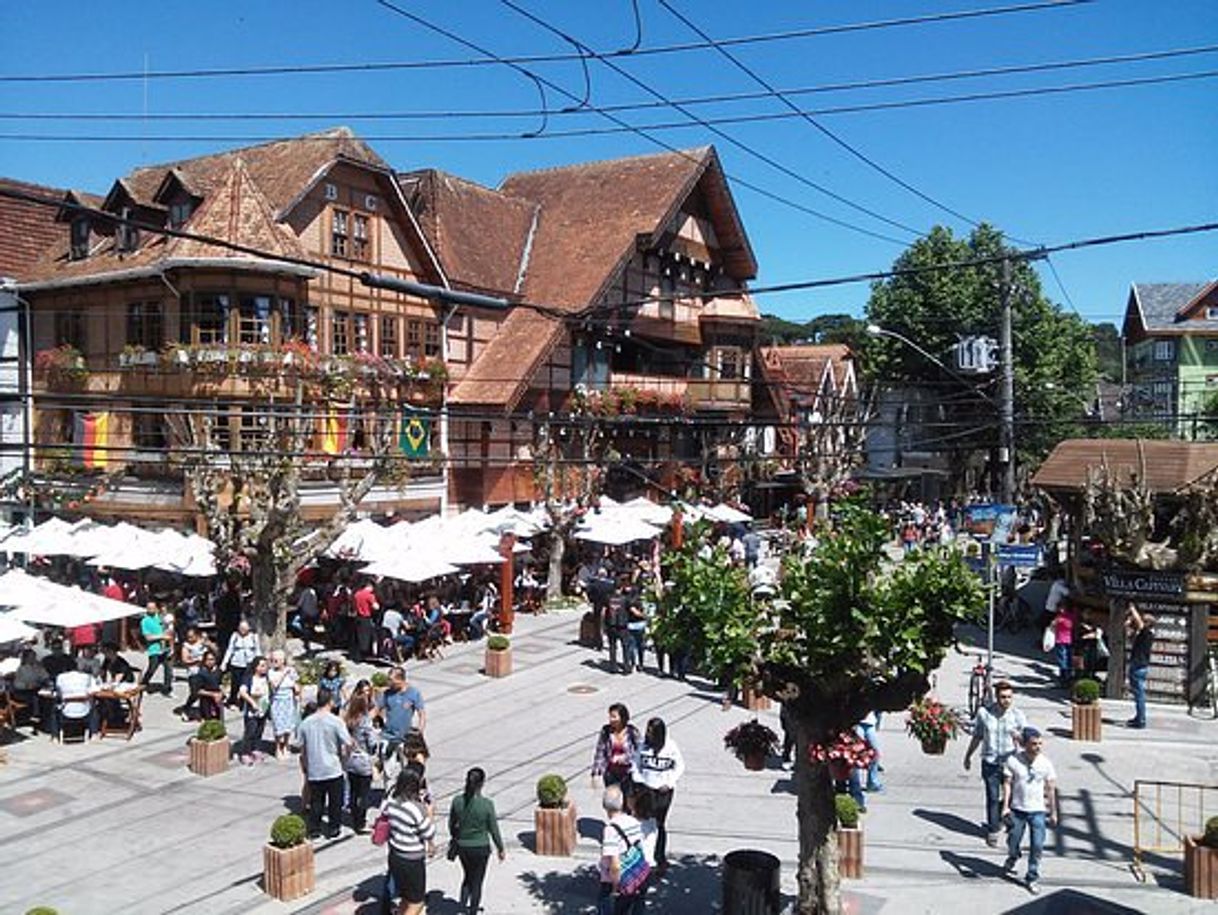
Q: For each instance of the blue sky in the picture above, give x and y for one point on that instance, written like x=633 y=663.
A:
x=1046 y=168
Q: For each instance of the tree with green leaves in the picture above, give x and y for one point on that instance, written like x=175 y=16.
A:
x=844 y=636
x=1053 y=351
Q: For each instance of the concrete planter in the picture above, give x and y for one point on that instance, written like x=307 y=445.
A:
x=589 y=631
x=1086 y=721
x=1200 y=869
x=209 y=757
x=498 y=663
x=850 y=852
x=556 y=830
x=288 y=873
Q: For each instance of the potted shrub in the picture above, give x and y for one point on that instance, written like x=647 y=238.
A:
x=554 y=818
x=288 y=870
x=498 y=656
x=753 y=698
x=42 y=910
x=1201 y=862
x=752 y=742
x=932 y=723
x=849 y=837
x=209 y=749
x=1085 y=711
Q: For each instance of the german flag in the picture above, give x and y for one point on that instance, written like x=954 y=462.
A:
x=91 y=438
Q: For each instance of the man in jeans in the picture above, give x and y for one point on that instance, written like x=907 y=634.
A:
x=1142 y=629
x=324 y=741
x=996 y=731
x=156 y=645
x=1030 y=798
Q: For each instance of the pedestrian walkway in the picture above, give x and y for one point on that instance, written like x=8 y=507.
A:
x=117 y=827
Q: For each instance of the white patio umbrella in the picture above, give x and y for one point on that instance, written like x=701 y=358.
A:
x=360 y=540
x=413 y=567
x=37 y=600
x=13 y=630
x=728 y=515
x=617 y=531
x=645 y=509
x=47 y=539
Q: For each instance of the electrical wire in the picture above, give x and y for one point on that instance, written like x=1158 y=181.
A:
x=726 y=97
x=305 y=69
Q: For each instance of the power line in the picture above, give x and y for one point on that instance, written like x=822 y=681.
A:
x=304 y=69
x=622 y=128
x=726 y=137
x=770 y=195
x=811 y=121
x=726 y=97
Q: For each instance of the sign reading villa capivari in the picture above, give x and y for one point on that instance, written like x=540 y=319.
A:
x=1161 y=594
x=1144 y=583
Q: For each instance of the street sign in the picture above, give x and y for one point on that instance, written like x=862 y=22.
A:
x=1021 y=556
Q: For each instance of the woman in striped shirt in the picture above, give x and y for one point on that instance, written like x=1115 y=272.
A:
x=411 y=841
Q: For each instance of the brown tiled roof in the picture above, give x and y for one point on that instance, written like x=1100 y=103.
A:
x=235 y=211
x=591 y=219
x=1168 y=466
x=481 y=236
x=804 y=366
x=592 y=214
x=502 y=371
x=27 y=229
x=245 y=192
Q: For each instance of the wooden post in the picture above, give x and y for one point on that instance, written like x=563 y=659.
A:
x=507 y=581
x=678 y=530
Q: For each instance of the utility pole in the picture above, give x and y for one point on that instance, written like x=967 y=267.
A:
x=1006 y=393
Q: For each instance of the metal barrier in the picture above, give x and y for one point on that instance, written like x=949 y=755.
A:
x=1164 y=813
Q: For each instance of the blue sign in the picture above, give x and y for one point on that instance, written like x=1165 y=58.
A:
x=1019 y=555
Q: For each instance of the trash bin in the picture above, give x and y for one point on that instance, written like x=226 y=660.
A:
x=751 y=883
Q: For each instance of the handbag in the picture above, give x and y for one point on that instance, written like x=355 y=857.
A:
x=633 y=869
x=380 y=829
x=453 y=848
x=1048 y=640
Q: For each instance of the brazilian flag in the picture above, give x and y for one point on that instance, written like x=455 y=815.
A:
x=415 y=435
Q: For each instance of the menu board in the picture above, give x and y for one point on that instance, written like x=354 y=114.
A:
x=1167 y=680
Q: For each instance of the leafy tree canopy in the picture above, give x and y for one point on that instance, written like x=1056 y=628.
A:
x=935 y=308
x=830 y=328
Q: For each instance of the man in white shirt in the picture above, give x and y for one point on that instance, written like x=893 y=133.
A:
x=621 y=831
x=74 y=688
x=1030 y=798
x=996 y=731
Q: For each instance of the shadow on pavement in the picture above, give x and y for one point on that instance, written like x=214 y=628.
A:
x=693 y=883
x=1071 y=902
x=971 y=867
x=949 y=821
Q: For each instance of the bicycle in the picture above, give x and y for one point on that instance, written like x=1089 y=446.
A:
x=1012 y=613
x=1209 y=696
x=979 y=684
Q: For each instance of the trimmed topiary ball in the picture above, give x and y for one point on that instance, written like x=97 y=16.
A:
x=211 y=730
x=498 y=643
x=1210 y=839
x=1086 y=692
x=551 y=791
x=847 y=811
x=288 y=831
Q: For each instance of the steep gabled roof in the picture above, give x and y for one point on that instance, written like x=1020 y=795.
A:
x=1160 y=307
x=481 y=236
x=27 y=229
x=592 y=218
x=808 y=368
x=593 y=214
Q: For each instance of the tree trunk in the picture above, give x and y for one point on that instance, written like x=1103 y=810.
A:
x=558 y=548
x=819 y=880
x=270 y=610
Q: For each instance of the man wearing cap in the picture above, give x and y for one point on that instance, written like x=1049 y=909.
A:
x=996 y=731
x=1030 y=798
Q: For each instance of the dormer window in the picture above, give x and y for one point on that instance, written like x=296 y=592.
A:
x=179 y=212
x=81 y=229
x=128 y=236
x=1211 y=313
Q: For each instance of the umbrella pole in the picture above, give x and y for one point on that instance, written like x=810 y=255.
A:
x=507 y=600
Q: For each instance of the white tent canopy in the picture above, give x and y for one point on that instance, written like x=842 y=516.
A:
x=413 y=567
x=37 y=600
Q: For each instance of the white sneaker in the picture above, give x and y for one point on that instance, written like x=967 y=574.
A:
x=1034 y=887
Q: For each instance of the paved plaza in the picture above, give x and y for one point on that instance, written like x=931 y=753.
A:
x=123 y=827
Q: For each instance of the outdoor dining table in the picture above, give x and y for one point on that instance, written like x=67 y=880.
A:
x=130 y=700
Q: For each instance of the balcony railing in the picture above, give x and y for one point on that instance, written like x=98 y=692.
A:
x=719 y=394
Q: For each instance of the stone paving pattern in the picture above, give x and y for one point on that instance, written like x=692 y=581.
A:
x=124 y=827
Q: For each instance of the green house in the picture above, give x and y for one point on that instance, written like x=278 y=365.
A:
x=1171 y=355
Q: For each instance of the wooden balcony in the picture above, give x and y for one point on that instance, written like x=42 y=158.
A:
x=708 y=394
x=664 y=385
